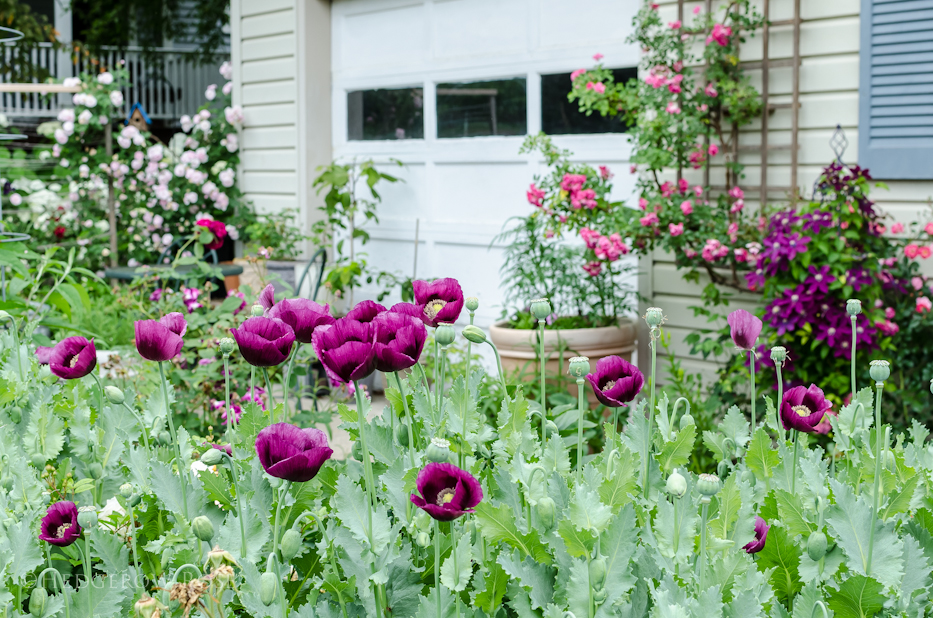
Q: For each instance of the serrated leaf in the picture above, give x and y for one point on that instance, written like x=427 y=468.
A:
x=463 y=567
x=579 y=588
x=675 y=534
x=760 y=457
x=350 y=503
x=111 y=550
x=45 y=433
x=586 y=511
x=167 y=486
x=730 y=502
x=24 y=548
x=498 y=524
x=578 y=542
x=537 y=579
x=783 y=555
x=615 y=490
x=100 y=598
x=617 y=545
x=490 y=588
x=792 y=515
x=900 y=501
x=805 y=605
x=677 y=453
x=857 y=597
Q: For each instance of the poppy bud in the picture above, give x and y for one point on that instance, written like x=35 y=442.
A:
x=546 y=509
x=879 y=370
x=135 y=499
x=722 y=468
x=708 y=484
x=445 y=334
x=126 y=490
x=889 y=460
x=401 y=434
x=212 y=457
x=540 y=308
x=597 y=572
x=676 y=484
x=202 y=528
x=257 y=310
x=218 y=557
x=96 y=470
x=37 y=601
x=267 y=588
x=579 y=366
x=357 y=451
x=146 y=607
x=227 y=346
x=686 y=420
x=438 y=451
x=38 y=460
x=46 y=498
x=165 y=438
x=422 y=520
x=816 y=545
x=290 y=544
x=472 y=303
x=87 y=517
x=749 y=477
x=600 y=595
x=474 y=334
x=16 y=412
x=114 y=395
x=550 y=428
x=422 y=539
x=654 y=316
x=853 y=307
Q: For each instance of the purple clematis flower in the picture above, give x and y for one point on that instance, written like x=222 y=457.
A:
x=615 y=381
x=399 y=341
x=264 y=342
x=346 y=349
x=803 y=409
x=60 y=524
x=441 y=301
x=744 y=328
x=162 y=340
x=44 y=354
x=447 y=492
x=302 y=315
x=365 y=311
x=292 y=453
x=267 y=297
x=761 y=537
x=73 y=357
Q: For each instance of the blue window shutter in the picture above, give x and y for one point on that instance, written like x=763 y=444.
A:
x=896 y=89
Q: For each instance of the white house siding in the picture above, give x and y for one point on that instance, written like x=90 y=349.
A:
x=829 y=81
x=281 y=57
x=463 y=190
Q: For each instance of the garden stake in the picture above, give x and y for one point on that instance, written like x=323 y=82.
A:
x=265 y=375
x=171 y=428
x=409 y=419
x=61 y=582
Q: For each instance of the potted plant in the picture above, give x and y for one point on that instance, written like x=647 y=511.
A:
x=273 y=246
x=582 y=281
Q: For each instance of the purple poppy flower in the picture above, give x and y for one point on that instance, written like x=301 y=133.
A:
x=744 y=328
x=44 y=354
x=761 y=536
x=162 y=340
x=399 y=341
x=302 y=315
x=267 y=297
x=803 y=409
x=60 y=524
x=346 y=349
x=408 y=309
x=365 y=311
x=226 y=448
x=73 y=357
x=264 y=342
x=441 y=301
x=615 y=381
x=447 y=492
x=292 y=453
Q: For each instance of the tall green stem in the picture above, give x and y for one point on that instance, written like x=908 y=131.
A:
x=854 y=341
x=239 y=503
x=288 y=377
x=581 y=395
x=367 y=478
x=61 y=583
x=701 y=572
x=231 y=416
x=780 y=398
x=265 y=375
x=182 y=469
x=409 y=419
x=252 y=384
x=132 y=533
x=541 y=361
x=654 y=334
x=881 y=438
x=751 y=358
x=100 y=391
x=453 y=556
x=439 y=385
x=87 y=570
x=793 y=471
x=498 y=364
x=142 y=427
x=437 y=568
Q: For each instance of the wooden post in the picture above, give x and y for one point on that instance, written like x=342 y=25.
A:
x=111 y=206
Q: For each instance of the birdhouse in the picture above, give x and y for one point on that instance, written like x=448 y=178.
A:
x=138 y=117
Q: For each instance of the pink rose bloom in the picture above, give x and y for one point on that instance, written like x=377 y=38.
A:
x=576 y=74
x=897 y=228
x=683 y=185
x=924 y=305
x=590 y=237
x=633 y=169
x=736 y=192
x=593 y=268
x=599 y=87
x=720 y=34
x=597 y=57
x=535 y=195
x=741 y=255
x=880 y=228
x=925 y=252
x=696 y=10
x=667 y=188
x=911 y=251
x=917 y=284
x=711 y=90
x=672 y=108
x=674 y=25
x=889 y=312
x=642 y=203
x=698 y=190
x=697 y=158
x=649 y=219
x=928 y=228
x=676 y=229
x=686 y=207
x=713 y=150
x=690 y=253
x=549 y=234
x=737 y=206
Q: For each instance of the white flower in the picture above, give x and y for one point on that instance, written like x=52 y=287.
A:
x=60 y=136
x=228 y=88
x=227 y=177
x=85 y=116
x=84 y=171
x=186 y=123
x=124 y=142
x=205 y=126
x=180 y=170
x=68 y=127
x=139 y=140
x=71 y=82
x=167 y=239
x=105 y=78
x=134 y=263
x=16 y=199
x=211 y=93
x=221 y=201
x=158 y=221
x=45 y=154
x=234 y=115
x=233 y=233
x=103 y=119
x=116 y=98
x=226 y=70
x=232 y=142
x=90 y=100
x=155 y=153
x=208 y=187
x=78 y=98
x=4 y=121
x=137 y=164
x=162 y=192
x=66 y=115
x=190 y=198
x=201 y=154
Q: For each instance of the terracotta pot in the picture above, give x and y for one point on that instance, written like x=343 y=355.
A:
x=518 y=349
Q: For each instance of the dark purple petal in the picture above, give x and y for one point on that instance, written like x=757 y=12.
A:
x=408 y=309
x=761 y=537
x=155 y=342
x=744 y=328
x=440 y=301
x=365 y=311
x=447 y=492
x=175 y=322
x=263 y=341
x=73 y=358
x=292 y=453
x=803 y=409
x=346 y=349
x=616 y=381
x=44 y=354
x=267 y=297
x=400 y=340
x=60 y=524
x=302 y=315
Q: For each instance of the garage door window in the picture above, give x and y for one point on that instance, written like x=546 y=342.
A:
x=561 y=117
x=385 y=114
x=474 y=109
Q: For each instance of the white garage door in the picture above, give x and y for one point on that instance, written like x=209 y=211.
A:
x=450 y=88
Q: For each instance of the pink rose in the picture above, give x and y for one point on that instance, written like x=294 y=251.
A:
x=672 y=108
x=643 y=203
x=911 y=251
x=576 y=74
x=674 y=25
x=897 y=228
x=713 y=150
x=597 y=57
x=720 y=35
x=676 y=229
x=928 y=228
x=698 y=190
x=925 y=252
x=650 y=219
x=924 y=305
x=711 y=90
x=686 y=207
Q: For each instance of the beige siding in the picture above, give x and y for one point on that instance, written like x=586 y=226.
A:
x=829 y=80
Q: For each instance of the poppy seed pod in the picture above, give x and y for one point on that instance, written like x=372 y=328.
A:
x=202 y=528
x=540 y=308
x=579 y=366
x=438 y=450
x=654 y=316
x=597 y=572
x=676 y=484
x=816 y=545
x=87 y=517
x=445 y=334
x=879 y=370
x=778 y=354
x=476 y=335
x=146 y=607
x=114 y=395
x=708 y=484
x=227 y=346
x=256 y=311
x=546 y=509
x=472 y=303
x=126 y=490
x=853 y=307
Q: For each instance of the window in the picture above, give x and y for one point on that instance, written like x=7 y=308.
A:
x=385 y=114
x=482 y=108
x=561 y=117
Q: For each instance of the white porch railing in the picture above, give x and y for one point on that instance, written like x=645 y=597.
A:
x=168 y=84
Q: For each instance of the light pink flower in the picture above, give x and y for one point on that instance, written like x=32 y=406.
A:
x=696 y=10
x=686 y=207
x=642 y=203
x=674 y=25
x=889 y=312
x=593 y=268
x=649 y=219
x=672 y=108
x=599 y=87
x=576 y=74
x=737 y=206
x=897 y=228
x=928 y=228
x=720 y=34
x=676 y=229
x=711 y=90
x=924 y=305
x=925 y=252
x=911 y=251
x=736 y=192
x=598 y=56
x=698 y=190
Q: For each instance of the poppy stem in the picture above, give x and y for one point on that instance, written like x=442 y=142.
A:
x=701 y=571
x=100 y=392
x=409 y=419
x=751 y=371
x=61 y=583
x=499 y=365
x=231 y=416
x=239 y=504
x=437 y=567
x=581 y=394
x=793 y=470
x=252 y=384
x=655 y=333
x=367 y=477
x=542 y=360
x=879 y=453
x=854 y=341
x=288 y=377
x=171 y=428
x=780 y=398
x=132 y=534
x=265 y=375
x=87 y=569
x=142 y=427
